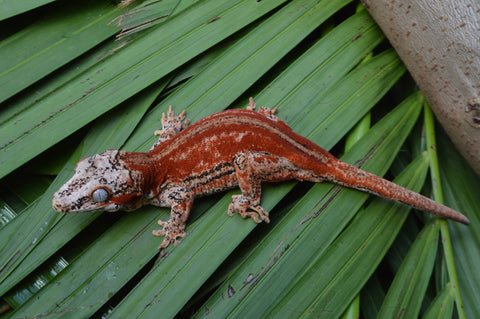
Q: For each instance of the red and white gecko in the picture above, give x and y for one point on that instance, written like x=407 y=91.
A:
x=233 y=148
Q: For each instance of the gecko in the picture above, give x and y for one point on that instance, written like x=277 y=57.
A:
x=233 y=148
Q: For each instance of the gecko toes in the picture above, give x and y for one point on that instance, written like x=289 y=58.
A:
x=162 y=223
x=251 y=104
x=171 y=231
x=164 y=244
x=241 y=205
x=171 y=239
x=158 y=233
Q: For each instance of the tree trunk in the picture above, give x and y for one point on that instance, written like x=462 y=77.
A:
x=439 y=42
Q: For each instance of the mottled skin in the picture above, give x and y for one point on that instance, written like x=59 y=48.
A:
x=233 y=148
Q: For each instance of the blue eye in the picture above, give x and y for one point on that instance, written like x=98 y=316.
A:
x=100 y=195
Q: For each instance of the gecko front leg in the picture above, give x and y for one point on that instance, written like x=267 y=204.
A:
x=181 y=200
x=171 y=125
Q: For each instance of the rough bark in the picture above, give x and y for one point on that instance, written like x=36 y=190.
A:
x=439 y=42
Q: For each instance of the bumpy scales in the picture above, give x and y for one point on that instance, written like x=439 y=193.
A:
x=233 y=148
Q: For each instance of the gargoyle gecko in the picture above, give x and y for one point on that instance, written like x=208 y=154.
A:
x=233 y=148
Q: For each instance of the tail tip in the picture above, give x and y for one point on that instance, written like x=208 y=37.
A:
x=465 y=221
x=461 y=219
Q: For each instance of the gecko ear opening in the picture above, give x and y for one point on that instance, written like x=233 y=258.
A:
x=100 y=195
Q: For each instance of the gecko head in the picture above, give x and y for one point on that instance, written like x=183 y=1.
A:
x=101 y=182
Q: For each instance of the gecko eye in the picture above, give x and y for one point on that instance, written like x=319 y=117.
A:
x=100 y=195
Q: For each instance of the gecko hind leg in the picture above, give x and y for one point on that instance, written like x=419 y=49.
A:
x=253 y=168
x=247 y=204
x=270 y=113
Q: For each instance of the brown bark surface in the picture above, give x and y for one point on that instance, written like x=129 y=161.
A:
x=439 y=42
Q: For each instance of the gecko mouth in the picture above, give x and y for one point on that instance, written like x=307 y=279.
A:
x=58 y=208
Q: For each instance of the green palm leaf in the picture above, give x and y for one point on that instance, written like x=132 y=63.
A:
x=324 y=64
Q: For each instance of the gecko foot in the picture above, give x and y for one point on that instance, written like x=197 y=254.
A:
x=171 y=125
x=170 y=231
x=172 y=122
x=270 y=113
x=241 y=204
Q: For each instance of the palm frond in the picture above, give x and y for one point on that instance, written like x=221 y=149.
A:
x=325 y=65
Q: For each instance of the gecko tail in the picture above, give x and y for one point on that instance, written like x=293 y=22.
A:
x=356 y=178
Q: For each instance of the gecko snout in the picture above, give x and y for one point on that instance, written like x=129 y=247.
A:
x=57 y=204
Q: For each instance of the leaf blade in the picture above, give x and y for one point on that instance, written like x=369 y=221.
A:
x=405 y=295
x=105 y=86
x=10 y=8
x=56 y=40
